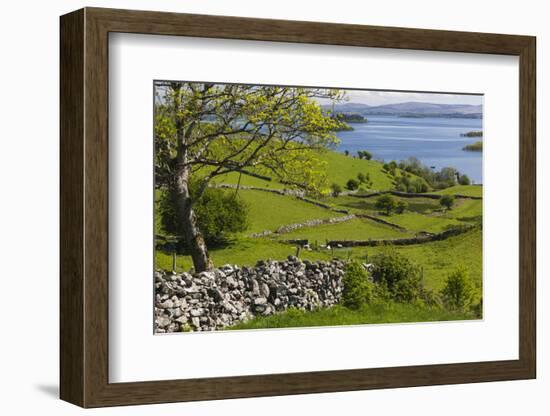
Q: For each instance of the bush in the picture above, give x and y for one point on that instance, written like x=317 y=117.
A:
x=464 y=180
x=358 y=289
x=447 y=201
x=219 y=214
x=458 y=293
x=398 y=277
x=364 y=154
x=386 y=203
x=361 y=177
x=335 y=189
x=352 y=184
x=401 y=207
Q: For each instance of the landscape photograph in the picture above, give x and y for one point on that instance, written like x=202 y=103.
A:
x=286 y=206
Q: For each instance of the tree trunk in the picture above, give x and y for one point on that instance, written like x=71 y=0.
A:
x=191 y=232
x=184 y=204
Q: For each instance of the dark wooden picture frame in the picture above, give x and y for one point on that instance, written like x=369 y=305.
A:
x=84 y=207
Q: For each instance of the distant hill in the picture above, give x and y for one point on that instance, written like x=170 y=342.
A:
x=412 y=109
x=347 y=107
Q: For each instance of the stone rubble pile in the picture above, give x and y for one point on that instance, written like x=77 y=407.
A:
x=223 y=297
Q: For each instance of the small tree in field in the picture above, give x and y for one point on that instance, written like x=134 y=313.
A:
x=458 y=292
x=386 y=203
x=335 y=189
x=361 y=177
x=352 y=184
x=447 y=201
x=464 y=180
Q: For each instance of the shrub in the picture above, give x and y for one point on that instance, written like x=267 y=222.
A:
x=401 y=207
x=335 y=189
x=447 y=201
x=364 y=154
x=358 y=289
x=464 y=180
x=398 y=276
x=219 y=214
x=361 y=177
x=352 y=184
x=386 y=203
x=458 y=292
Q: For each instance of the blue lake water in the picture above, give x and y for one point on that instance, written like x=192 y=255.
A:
x=434 y=141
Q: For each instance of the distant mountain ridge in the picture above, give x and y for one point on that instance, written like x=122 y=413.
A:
x=411 y=108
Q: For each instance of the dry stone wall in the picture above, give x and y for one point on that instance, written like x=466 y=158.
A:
x=214 y=300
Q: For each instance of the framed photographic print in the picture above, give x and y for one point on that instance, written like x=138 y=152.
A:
x=259 y=207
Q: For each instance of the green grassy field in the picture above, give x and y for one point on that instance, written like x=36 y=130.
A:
x=338 y=315
x=269 y=211
x=368 y=205
x=439 y=258
x=468 y=190
x=417 y=222
x=243 y=252
x=341 y=168
x=247 y=180
x=466 y=210
x=356 y=229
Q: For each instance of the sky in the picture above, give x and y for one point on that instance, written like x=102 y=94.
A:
x=390 y=97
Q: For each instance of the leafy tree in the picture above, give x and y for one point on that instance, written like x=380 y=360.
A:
x=204 y=130
x=447 y=201
x=358 y=289
x=458 y=292
x=398 y=276
x=352 y=184
x=361 y=177
x=336 y=189
x=346 y=152
x=464 y=180
x=364 y=154
x=386 y=203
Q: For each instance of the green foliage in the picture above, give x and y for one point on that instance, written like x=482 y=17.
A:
x=406 y=184
x=386 y=203
x=447 y=201
x=401 y=207
x=358 y=289
x=472 y=134
x=397 y=275
x=475 y=147
x=464 y=180
x=458 y=292
x=352 y=184
x=219 y=214
x=441 y=179
x=364 y=154
x=361 y=177
x=335 y=189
